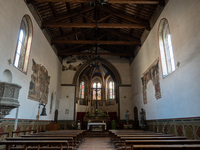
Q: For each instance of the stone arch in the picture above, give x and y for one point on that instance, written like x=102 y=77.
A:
x=112 y=70
x=103 y=61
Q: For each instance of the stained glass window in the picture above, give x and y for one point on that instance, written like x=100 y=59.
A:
x=82 y=90
x=111 y=90
x=96 y=91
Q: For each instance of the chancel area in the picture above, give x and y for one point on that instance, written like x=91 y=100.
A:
x=115 y=69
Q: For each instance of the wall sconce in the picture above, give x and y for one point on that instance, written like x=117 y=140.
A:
x=43 y=109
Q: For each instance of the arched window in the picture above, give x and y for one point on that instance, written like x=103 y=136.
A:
x=82 y=90
x=111 y=90
x=166 y=49
x=23 y=44
x=96 y=91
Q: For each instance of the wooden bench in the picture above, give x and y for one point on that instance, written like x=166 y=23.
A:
x=121 y=142
x=130 y=143
x=164 y=147
x=69 y=139
x=24 y=131
x=75 y=141
x=80 y=134
x=6 y=133
x=38 y=144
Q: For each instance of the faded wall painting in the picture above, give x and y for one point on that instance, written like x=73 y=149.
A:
x=39 y=85
x=74 y=63
x=152 y=74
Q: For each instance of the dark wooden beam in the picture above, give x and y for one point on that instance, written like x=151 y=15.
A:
x=110 y=1
x=125 y=16
x=68 y=15
x=119 y=48
x=87 y=17
x=102 y=19
x=91 y=54
x=92 y=25
x=55 y=15
x=71 y=48
x=98 y=42
x=78 y=31
x=124 y=36
x=102 y=36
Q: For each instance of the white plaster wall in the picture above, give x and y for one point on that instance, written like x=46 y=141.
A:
x=122 y=66
x=179 y=90
x=11 y=14
x=66 y=102
x=125 y=102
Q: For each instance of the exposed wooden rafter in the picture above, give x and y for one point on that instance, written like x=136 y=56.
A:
x=68 y=15
x=110 y=1
x=125 y=16
x=72 y=25
x=91 y=54
x=98 y=42
x=78 y=31
x=92 y=25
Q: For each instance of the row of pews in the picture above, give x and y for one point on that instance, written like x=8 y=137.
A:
x=139 y=140
x=49 y=140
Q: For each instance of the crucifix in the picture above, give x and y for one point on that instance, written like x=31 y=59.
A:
x=96 y=95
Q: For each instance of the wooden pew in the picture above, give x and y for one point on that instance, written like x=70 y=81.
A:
x=26 y=144
x=6 y=133
x=122 y=139
x=113 y=134
x=157 y=142
x=167 y=147
x=75 y=141
x=24 y=131
x=69 y=139
x=116 y=137
x=80 y=133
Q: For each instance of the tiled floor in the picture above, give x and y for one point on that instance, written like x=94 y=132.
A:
x=96 y=143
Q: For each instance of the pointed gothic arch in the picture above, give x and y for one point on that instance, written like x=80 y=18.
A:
x=109 y=67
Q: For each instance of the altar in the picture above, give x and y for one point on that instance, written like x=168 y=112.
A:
x=96 y=124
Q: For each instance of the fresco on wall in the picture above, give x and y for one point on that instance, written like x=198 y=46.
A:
x=151 y=74
x=39 y=85
x=74 y=63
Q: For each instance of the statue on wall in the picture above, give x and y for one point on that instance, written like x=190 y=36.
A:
x=142 y=117
x=127 y=115
x=151 y=74
x=39 y=84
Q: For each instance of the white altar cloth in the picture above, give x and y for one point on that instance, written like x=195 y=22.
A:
x=96 y=123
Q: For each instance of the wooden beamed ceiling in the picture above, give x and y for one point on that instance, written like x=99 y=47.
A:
x=110 y=1
x=76 y=28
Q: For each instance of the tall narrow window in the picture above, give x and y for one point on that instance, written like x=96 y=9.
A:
x=82 y=90
x=166 y=49
x=111 y=90
x=23 y=44
x=96 y=91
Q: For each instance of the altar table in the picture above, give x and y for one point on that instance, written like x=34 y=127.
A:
x=96 y=124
